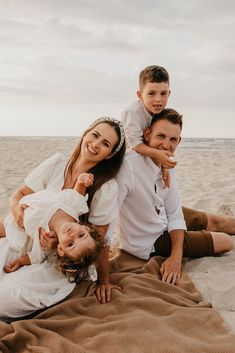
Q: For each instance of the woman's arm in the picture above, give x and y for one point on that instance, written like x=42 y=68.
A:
x=17 y=209
x=104 y=287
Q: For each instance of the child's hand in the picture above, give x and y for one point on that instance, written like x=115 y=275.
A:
x=86 y=179
x=48 y=240
x=162 y=157
x=166 y=178
x=13 y=266
x=18 y=214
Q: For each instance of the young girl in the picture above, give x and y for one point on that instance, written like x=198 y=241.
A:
x=100 y=152
x=78 y=245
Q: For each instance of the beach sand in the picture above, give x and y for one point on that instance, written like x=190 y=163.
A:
x=207 y=181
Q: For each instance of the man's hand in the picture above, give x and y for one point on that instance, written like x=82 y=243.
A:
x=103 y=292
x=171 y=270
x=18 y=214
x=48 y=240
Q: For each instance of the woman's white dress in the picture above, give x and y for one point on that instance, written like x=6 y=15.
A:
x=41 y=285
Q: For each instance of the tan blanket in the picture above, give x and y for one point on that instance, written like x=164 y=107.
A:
x=148 y=316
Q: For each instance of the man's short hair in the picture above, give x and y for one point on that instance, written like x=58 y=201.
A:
x=168 y=114
x=153 y=73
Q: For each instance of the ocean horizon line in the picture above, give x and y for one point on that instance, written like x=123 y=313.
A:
x=74 y=137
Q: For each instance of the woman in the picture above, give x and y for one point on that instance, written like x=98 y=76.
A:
x=100 y=152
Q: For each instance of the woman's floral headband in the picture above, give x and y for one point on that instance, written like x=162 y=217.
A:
x=121 y=128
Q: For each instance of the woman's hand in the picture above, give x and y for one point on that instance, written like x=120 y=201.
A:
x=48 y=240
x=18 y=214
x=103 y=292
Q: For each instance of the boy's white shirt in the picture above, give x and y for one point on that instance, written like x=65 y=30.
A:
x=135 y=120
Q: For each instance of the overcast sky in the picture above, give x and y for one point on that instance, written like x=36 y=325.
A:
x=64 y=63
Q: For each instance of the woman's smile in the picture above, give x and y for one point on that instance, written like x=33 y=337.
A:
x=91 y=149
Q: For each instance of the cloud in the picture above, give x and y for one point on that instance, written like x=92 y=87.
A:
x=89 y=52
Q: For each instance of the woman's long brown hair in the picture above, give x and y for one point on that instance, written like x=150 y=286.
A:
x=104 y=170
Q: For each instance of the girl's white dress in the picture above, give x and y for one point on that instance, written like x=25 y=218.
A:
x=42 y=206
x=41 y=285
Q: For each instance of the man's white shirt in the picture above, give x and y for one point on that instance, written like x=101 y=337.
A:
x=146 y=210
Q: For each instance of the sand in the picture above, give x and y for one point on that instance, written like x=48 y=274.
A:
x=207 y=181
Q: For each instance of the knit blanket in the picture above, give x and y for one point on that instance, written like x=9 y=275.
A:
x=148 y=316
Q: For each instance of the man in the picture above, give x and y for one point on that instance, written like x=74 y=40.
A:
x=151 y=221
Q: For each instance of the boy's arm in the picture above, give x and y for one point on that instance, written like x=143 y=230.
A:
x=159 y=156
x=134 y=131
x=15 y=265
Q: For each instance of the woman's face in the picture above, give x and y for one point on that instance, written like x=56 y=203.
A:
x=98 y=143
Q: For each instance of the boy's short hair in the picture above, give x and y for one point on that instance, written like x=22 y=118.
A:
x=168 y=114
x=153 y=73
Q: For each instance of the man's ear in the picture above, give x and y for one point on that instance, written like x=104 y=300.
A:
x=146 y=134
x=169 y=93
x=60 y=250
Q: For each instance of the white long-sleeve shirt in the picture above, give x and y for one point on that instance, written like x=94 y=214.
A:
x=146 y=209
x=135 y=120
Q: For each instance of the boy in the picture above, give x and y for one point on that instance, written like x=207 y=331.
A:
x=153 y=95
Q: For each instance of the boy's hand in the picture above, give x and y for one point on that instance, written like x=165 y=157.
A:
x=162 y=157
x=166 y=178
x=18 y=214
x=86 y=179
x=13 y=266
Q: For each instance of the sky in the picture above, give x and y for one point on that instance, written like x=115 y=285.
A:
x=65 y=63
